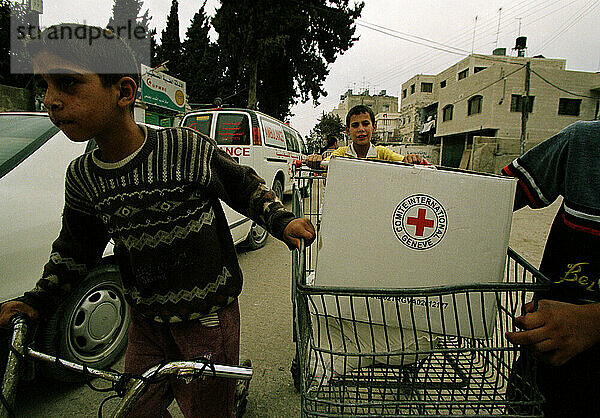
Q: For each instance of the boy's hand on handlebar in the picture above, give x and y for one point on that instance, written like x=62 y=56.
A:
x=296 y=229
x=314 y=161
x=13 y=307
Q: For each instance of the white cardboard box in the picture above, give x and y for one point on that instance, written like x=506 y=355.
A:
x=389 y=225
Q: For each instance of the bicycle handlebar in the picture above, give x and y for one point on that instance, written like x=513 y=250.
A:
x=186 y=370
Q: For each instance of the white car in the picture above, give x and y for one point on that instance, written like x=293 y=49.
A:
x=91 y=326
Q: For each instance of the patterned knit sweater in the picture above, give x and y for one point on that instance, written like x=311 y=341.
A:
x=161 y=207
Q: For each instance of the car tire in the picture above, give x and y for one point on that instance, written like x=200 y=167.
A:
x=278 y=189
x=90 y=327
x=257 y=237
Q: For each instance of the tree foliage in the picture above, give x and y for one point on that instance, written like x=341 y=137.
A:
x=11 y=15
x=200 y=66
x=279 y=50
x=170 y=43
x=129 y=13
x=329 y=124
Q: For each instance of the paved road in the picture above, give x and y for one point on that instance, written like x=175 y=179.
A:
x=266 y=332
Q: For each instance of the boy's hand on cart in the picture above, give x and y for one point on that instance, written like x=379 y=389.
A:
x=557 y=331
x=296 y=229
x=314 y=161
x=413 y=159
x=13 y=307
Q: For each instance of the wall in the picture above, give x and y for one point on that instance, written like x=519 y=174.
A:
x=429 y=152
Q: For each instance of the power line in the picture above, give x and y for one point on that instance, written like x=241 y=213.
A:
x=561 y=89
x=572 y=21
x=489 y=85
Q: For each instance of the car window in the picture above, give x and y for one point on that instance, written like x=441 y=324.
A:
x=200 y=123
x=290 y=139
x=302 y=145
x=233 y=129
x=21 y=135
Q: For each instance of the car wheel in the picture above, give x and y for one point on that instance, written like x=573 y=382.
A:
x=278 y=189
x=90 y=327
x=257 y=237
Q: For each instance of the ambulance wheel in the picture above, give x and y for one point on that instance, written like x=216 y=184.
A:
x=278 y=189
x=257 y=237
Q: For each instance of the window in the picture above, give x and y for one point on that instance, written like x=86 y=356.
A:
x=477 y=69
x=463 y=74
x=200 y=123
x=412 y=89
x=516 y=103
x=475 y=105
x=443 y=84
x=426 y=87
x=447 y=113
x=292 y=142
x=233 y=129
x=20 y=136
x=404 y=94
x=569 y=107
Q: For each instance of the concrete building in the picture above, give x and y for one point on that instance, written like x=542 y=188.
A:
x=380 y=103
x=478 y=103
x=387 y=127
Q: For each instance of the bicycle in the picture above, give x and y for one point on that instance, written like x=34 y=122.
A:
x=126 y=386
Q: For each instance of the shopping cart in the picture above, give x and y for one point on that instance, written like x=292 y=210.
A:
x=407 y=358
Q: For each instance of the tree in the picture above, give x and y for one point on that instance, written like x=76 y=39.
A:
x=279 y=50
x=200 y=67
x=12 y=14
x=170 y=44
x=128 y=13
x=329 y=124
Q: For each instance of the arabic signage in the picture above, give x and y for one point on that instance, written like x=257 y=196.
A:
x=162 y=90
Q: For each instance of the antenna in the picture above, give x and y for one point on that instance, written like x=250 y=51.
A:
x=519 y=19
x=473 y=43
x=498 y=30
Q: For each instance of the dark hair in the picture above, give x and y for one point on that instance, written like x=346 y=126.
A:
x=331 y=140
x=101 y=51
x=359 y=110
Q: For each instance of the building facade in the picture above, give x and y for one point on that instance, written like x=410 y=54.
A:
x=380 y=103
x=484 y=96
x=387 y=127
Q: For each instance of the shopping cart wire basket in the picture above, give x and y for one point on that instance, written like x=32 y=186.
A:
x=432 y=351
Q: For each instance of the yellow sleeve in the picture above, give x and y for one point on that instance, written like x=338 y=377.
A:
x=340 y=152
x=386 y=154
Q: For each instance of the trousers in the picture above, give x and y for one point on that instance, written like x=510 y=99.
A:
x=151 y=343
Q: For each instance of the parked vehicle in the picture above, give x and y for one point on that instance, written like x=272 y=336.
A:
x=90 y=327
x=260 y=141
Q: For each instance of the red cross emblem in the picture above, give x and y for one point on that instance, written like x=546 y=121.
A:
x=421 y=222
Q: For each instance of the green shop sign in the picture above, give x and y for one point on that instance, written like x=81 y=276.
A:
x=162 y=90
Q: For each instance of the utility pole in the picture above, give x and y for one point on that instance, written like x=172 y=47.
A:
x=525 y=107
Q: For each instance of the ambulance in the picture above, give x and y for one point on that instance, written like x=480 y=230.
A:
x=260 y=141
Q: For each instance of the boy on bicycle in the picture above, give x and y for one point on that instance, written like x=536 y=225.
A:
x=156 y=194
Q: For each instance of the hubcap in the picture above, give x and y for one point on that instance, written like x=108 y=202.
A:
x=96 y=324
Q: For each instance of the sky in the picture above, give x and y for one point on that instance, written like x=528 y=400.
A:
x=400 y=38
